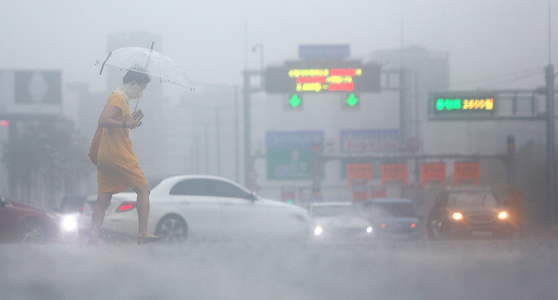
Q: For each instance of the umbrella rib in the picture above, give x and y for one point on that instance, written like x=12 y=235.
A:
x=103 y=66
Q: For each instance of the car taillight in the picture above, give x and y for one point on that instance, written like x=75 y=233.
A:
x=126 y=206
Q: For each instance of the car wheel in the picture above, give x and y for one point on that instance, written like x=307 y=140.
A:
x=34 y=231
x=174 y=229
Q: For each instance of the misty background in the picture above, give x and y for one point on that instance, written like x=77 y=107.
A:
x=483 y=45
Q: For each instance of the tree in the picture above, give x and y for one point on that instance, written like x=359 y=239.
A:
x=48 y=152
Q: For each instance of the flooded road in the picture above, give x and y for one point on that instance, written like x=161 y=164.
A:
x=423 y=270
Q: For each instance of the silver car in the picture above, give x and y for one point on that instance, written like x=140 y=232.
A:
x=339 y=221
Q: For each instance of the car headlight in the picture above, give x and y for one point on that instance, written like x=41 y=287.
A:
x=318 y=230
x=369 y=229
x=457 y=216
x=503 y=215
x=69 y=223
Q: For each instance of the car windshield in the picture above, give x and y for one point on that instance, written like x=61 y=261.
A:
x=393 y=210
x=334 y=211
x=472 y=198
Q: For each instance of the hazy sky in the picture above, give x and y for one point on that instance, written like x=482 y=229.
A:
x=208 y=38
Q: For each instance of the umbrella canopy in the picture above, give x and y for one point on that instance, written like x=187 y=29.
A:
x=147 y=61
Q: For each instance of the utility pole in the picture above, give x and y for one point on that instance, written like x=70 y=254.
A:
x=550 y=140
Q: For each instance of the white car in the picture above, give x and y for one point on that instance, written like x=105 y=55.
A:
x=336 y=221
x=205 y=208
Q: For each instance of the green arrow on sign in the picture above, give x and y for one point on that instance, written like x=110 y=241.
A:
x=295 y=101
x=352 y=100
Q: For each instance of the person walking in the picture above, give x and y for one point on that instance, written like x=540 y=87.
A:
x=117 y=165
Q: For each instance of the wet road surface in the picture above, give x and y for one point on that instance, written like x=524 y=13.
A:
x=395 y=270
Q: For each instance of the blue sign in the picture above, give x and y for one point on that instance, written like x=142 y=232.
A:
x=324 y=51
x=289 y=154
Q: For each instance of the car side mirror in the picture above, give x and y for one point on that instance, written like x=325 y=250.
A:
x=252 y=196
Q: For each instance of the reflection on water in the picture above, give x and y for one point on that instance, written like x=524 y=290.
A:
x=449 y=270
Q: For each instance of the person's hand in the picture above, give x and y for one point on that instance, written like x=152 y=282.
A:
x=134 y=122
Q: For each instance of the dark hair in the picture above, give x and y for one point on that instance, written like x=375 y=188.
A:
x=139 y=78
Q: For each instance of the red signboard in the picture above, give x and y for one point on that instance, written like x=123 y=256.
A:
x=433 y=172
x=360 y=196
x=466 y=172
x=378 y=194
x=394 y=172
x=359 y=171
x=360 y=191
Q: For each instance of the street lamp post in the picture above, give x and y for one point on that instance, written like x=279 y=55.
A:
x=261 y=48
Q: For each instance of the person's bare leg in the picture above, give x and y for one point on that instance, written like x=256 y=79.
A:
x=142 y=205
x=98 y=216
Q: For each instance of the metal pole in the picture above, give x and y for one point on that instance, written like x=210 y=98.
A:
x=236 y=160
x=247 y=148
x=261 y=58
x=550 y=139
x=12 y=177
x=206 y=130
x=218 y=148
x=402 y=105
x=197 y=142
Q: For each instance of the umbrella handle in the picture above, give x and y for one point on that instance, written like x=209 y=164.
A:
x=103 y=66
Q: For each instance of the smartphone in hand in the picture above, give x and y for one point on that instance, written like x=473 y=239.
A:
x=137 y=114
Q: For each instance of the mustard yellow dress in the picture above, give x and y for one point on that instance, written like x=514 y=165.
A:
x=117 y=165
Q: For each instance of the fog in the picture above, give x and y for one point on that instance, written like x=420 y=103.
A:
x=497 y=44
x=212 y=39
x=455 y=270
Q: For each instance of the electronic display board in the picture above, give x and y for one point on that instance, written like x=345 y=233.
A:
x=462 y=105
x=323 y=76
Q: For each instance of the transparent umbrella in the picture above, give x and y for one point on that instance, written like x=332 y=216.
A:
x=147 y=61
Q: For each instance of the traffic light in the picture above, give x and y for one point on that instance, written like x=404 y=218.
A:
x=351 y=101
x=294 y=102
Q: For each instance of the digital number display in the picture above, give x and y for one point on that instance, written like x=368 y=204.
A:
x=323 y=76
x=316 y=80
x=466 y=104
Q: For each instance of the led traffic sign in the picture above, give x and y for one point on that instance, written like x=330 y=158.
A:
x=350 y=101
x=462 y=105
x=293 y=102
x=323 y=77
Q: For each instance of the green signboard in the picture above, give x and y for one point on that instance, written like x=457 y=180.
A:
x=462 y=105
x=289 y=154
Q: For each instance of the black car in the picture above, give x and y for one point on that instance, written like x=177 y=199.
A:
x=469 y=212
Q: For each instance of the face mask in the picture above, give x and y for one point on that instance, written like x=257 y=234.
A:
x=135 y=91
